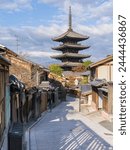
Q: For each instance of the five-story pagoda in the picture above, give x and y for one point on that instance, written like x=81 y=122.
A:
x=70 y=47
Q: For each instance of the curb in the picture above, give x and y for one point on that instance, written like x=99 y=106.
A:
x=27 y=133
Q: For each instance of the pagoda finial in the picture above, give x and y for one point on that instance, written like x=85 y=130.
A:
x=70 y=18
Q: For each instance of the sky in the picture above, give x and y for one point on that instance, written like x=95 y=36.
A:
x=33 y=23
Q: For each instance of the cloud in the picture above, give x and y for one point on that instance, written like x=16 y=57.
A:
x=43 y=31
x=38 y=54
x=104 y=9
x=92 y=18
x=85 y=12
x=97 y=30
x=41 y=35
x=15 y=5
x=92 y=8
x=53 y=2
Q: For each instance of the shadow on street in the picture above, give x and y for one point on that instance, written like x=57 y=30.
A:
x=56 y=132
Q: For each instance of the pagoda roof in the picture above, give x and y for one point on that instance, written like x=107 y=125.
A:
x=70 y=64
x=68 y=45
x=70 y=34
x=68 y=55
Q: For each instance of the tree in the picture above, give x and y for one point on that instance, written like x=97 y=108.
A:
x=54 y=68
x=83 y=67
x=87 y=63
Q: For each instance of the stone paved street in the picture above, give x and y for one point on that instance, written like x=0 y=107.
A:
x=66 y=129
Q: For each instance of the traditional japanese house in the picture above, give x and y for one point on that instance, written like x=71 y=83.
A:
x=70 y=47
x=28 y=72
x=4 y=97
x=102 y=84
x=102 y=69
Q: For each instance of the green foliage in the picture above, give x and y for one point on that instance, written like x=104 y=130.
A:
x=87 y=63
x=54 y=68
x=84 y=80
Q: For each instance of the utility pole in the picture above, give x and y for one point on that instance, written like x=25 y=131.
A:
x=17 y=44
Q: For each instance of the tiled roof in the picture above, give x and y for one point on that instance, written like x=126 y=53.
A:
x=75 y=46
x=105 y=60
x=68 y=73
x=70 y=34
x=74 y=55
x=98 y=82
x=104 y=89
x=70 y=64
x=8 y=51
x=85 y=73
x=4 y=61
x=2 y=48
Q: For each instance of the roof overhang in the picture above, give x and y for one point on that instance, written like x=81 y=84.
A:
x=98 y=82
x=72 y=35
x=103 y=89
x=101 y=62
x=4 y=61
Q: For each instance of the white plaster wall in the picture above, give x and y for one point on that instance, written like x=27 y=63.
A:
x=103 y=72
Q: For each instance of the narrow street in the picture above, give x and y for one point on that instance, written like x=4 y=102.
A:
x=66 y=129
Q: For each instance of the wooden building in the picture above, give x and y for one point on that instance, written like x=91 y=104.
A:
x=13 y=102
x=70 y=47
x=102 y=69
x=4 y=97
x=102 y=84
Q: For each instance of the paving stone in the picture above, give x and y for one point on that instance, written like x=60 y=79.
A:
x=66 y=129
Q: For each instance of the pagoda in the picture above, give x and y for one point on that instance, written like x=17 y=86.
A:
x=70 y=47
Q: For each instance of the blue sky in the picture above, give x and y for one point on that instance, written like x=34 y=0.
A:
x=35 y=22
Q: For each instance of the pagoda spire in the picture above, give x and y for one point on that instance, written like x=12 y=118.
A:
x=70 y=47
x=70 y=18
